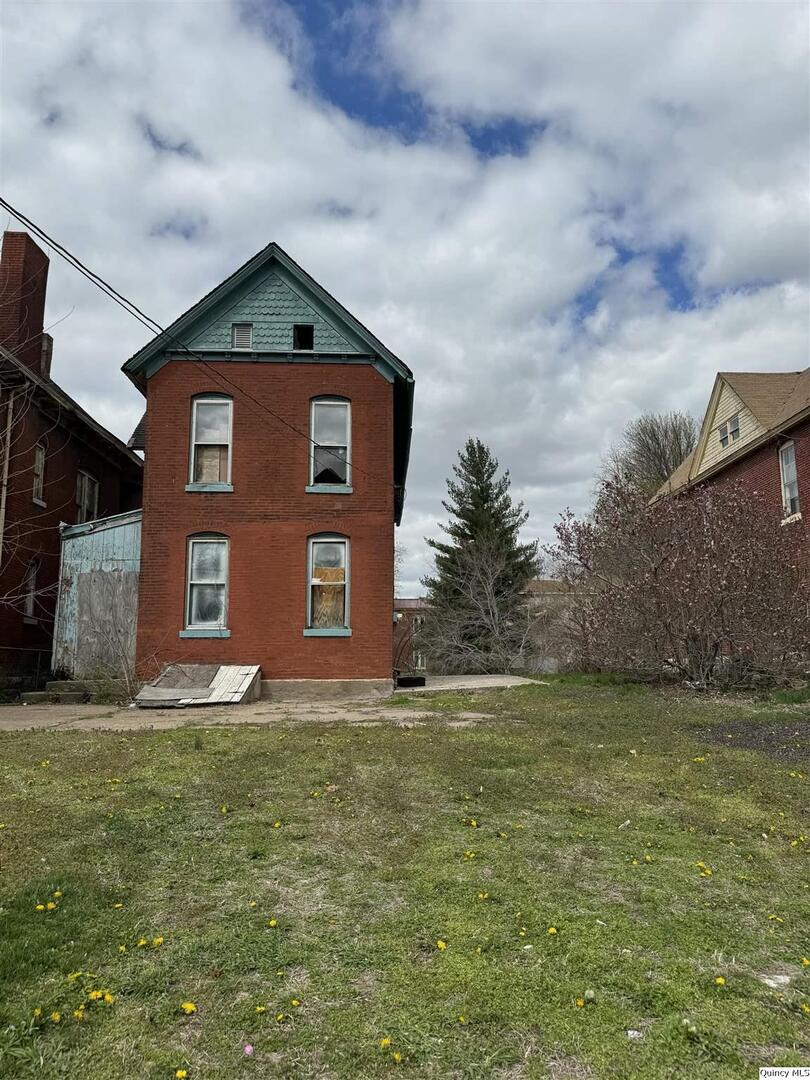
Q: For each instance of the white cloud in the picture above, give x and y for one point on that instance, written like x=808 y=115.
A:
x=665 y=124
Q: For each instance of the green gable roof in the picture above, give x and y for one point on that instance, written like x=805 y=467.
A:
x=273 y=292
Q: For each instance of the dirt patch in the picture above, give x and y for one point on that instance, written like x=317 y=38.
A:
x=783 y=740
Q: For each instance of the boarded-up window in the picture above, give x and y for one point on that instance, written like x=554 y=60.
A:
x=330 y=425
x=328 y=583
x=207 y=599
x=211 y=440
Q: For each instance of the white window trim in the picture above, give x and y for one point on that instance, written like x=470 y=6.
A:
x=210 y=399
x=312 y=444
x=82 y=508
x=241 y=348
x=38 y=491
x=189 y=625
x=790 y=515
x=330 y=538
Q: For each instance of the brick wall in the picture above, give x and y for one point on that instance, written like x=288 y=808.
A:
x=32 y=531
x=23 y=281
x=268 y=518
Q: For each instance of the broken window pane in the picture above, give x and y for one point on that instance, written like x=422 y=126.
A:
x=330 y=434
x=329 y=465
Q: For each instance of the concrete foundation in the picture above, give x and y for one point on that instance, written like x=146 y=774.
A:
x=326 y=689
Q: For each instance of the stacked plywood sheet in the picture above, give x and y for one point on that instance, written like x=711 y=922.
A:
x=180 y=685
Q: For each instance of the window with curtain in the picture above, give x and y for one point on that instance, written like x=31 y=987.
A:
x=790 y=479
x=328 y=583
x=211 y=428
x=207 y=587
x=330 y=448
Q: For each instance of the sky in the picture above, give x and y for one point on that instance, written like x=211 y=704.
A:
x=560 y=215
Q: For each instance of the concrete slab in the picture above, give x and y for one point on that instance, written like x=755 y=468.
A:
x=440 y=683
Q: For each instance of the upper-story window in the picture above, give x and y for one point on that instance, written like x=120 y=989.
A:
x=38 y=492
x=330 y=448
x=730 y=431
x=86 y=497
x=242 y=335
x=303 y=337
x=790 y=480
x=211 y=437
x=207 y=582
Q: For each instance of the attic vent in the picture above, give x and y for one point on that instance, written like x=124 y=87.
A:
x=304 y=337
x=242 y=336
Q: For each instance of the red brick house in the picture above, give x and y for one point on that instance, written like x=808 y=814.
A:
x=756 y=430
x=277 y=434
x=57 y=464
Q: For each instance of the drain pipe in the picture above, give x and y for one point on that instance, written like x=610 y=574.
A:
x=6 y=460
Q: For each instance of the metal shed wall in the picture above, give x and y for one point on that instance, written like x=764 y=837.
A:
x=97 y=605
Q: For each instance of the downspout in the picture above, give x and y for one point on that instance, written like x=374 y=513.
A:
x=6 y=460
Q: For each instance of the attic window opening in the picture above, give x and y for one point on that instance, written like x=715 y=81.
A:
x=242 y=336
x=730 y=431
x=303 y=337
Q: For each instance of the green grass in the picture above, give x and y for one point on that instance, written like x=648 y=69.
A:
x=594 y=804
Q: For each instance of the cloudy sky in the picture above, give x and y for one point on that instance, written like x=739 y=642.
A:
x=558 y=214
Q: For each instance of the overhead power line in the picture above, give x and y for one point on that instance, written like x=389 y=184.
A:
x=154 y=327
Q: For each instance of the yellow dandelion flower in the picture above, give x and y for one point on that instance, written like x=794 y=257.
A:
x=503 y=835
x=122 y=948
x=634 y=862
x=483 y=896
x=462 y=1019
x=141 y=942
x=57 y=893
x=188 y=1007
x=37 y=1012
x=280 y=1018
x=805 y=962
x=261 y=1008
x=56 y=1017
x=397 y=1056
x=719 y=981
x=51 y=906
x=78 y=1014
x=108 y=997
x=251 y=903
x=805 y=1007
x=385 y=1042
x=39 y=907
x=280 y=973
x=157 y=942
x=118 y=906
x=96 y=995
x=552 y=930
x=469 y=855
x=276 y=824
x=272 y=922
x=295 y=1003
x=441 y=944
x=44 y=764
x=180 y=1074
x=580 y=1003
x=648 y=858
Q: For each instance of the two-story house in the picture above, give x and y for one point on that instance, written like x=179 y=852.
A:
x=276 y=434
x=756 y=430
x=57 y=464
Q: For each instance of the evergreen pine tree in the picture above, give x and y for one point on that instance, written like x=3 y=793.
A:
x=476 y=595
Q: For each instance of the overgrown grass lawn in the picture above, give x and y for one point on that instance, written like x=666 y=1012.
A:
x=584 y=885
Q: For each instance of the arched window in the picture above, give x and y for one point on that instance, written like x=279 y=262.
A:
x=330 y=432
x=329 y=582
x=207 y=582
x=211 y=438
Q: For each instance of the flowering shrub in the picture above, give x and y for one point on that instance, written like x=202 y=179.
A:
x=708 y=585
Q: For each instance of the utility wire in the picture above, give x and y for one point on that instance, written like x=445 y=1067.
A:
x=154 y=327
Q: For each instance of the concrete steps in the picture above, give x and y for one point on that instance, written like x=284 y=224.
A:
x=77 y=692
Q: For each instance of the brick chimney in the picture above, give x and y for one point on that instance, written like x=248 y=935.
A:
x=23 y=280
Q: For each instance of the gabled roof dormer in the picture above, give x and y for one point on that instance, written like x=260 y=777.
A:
x=729 y=425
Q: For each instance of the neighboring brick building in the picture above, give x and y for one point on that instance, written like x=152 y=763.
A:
x=757 y=431
x=56 y=463
x=277 y=434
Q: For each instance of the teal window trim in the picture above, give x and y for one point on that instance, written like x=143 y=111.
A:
x=209 y=487
x=213 y=631
x=329 y=489
x=327 y=631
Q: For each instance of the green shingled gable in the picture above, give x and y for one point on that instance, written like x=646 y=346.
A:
x=273 y=307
